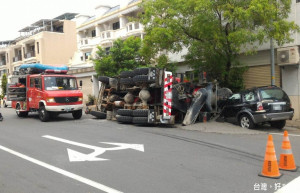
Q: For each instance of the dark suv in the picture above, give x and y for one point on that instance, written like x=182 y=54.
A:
x=258 y=105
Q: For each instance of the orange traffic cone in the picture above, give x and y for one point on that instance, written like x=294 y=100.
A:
x=270 y=166
x=287 y=161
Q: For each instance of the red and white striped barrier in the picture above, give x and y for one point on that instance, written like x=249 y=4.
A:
x=168 y=84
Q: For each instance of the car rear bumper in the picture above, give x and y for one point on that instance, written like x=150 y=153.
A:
x=64 y=108
x=259 y=118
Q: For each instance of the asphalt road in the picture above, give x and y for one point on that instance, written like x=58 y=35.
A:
x=34 y=157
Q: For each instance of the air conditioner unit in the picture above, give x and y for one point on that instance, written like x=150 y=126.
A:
x=288 y=56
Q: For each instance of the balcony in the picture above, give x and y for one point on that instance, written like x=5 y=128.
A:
x=17 y=58
x=2 y=63
x=88 y=43
x=30 y=54
x=134 y=27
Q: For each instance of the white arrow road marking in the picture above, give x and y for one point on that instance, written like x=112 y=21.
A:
x=75 y=156
x=62 y=172
x=137 y=147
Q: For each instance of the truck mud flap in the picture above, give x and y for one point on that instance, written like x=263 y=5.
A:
x=196 y=106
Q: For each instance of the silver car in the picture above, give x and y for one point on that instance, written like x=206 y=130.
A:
x=6 y=103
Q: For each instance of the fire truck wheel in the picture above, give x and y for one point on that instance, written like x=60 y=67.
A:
x=98 y=114
x=103 y=79
x=124 y=119
x=19 y=113
x=126 y=74
x=4 y=104
x=43 y=114
x=140 y=120
x=140 y=113
x=77 y=114
x=141 y=71
x=142 y=79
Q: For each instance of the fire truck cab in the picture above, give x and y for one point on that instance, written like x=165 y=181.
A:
x=49 y=93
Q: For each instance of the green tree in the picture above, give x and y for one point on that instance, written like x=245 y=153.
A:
x=4 y=84
x=215 y=31
x=123 y=55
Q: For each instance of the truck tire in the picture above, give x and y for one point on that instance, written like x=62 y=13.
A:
x=124 y=119
x=77 y=114
x=141 y=71
x=142 y=79
x=44 y=114
x=19 y=113
x=126 y=81
x=104 y=79
x=98 y=114
x=140 y=113
x=278 y=124
x=140 y=120
x=126 y=74
x=124 y=112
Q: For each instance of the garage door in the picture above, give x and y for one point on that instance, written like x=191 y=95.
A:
x=257 y=76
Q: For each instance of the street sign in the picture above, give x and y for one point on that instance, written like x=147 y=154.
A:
x=75 y=156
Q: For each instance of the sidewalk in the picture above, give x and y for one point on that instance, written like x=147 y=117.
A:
x=229 y=128
x=293 y=123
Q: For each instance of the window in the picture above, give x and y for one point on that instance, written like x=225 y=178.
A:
x=93 y=33
x=107 y=50
x=60 y=83
x=31 y=82
x=86 y=55
x=37 y=82
x=38 y=47
x=249 y=97
x=116 y=25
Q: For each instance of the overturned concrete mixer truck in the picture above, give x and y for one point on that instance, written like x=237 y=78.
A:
x=156 y=96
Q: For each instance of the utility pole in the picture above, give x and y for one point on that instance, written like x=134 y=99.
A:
x=272 y=62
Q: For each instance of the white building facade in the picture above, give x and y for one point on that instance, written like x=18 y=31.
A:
x=109 y=23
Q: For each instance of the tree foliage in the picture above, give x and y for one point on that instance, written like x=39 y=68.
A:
x=215 y=31
x=4 y=84
x=123 y=55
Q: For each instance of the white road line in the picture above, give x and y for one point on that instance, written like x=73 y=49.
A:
x=61 y=171
x=282 y=134
x=292 y=187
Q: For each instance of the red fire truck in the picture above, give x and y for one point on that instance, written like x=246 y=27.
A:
x=50 y=92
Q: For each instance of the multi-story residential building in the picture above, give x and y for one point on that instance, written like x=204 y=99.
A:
x=108 y=24
x=47 y=41
x=287 y=71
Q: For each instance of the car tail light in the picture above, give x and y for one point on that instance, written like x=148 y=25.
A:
x=260 y=106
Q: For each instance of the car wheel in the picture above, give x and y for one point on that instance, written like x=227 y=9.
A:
x=246 y=121
x=278 y=124
x=44 y=114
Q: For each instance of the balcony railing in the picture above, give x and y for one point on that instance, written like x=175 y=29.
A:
x=17 y=58
x=30 y=54
x=2 y=63
x=134 y=26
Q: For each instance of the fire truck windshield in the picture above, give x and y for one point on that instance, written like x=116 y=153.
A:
x=60 y=83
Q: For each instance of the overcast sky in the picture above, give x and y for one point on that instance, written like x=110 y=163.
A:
x=17 y=14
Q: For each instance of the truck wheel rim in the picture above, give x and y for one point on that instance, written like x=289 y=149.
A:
x=245 y=122
x=42 y=113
